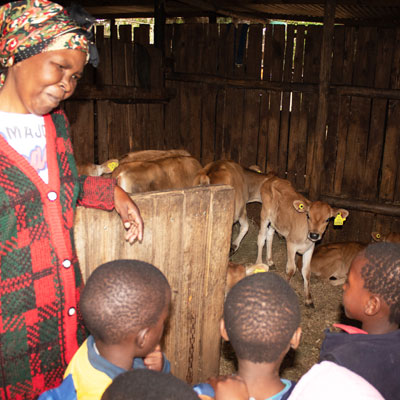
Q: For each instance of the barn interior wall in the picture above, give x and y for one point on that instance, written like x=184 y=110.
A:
x=249 y=93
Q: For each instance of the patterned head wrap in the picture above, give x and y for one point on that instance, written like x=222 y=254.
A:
x=30 y=27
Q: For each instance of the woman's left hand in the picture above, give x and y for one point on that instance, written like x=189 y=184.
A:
x=130 y=215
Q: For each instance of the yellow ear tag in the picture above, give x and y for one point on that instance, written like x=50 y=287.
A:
x=378 y=235
x=301 y=206
x=112 y=165
x=258 y=270
x=339 y=220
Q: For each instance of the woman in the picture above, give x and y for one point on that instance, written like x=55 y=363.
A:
x=43 y=49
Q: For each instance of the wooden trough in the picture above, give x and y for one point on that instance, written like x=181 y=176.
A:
x=187 y=236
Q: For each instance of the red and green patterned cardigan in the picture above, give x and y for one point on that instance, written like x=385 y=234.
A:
x=40 y=279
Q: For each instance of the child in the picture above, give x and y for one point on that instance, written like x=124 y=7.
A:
x=124 y=305
x=145 y=384
x=261 y=320
x=329 y=381
x=371 y=295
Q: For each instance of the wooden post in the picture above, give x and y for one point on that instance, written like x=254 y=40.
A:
x=324 y=81
x=159 y=25
x=187 y=236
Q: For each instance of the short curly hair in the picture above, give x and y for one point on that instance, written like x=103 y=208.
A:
x=261 y=313
x=146 y=384
x=381 y=274
x=121 y=297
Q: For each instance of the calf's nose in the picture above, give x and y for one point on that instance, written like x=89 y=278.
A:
x=314 y=236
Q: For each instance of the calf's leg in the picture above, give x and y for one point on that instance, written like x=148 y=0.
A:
x=244 y=227
x=306 y=272
x=262 y=235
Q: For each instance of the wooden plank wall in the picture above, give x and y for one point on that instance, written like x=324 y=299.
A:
x=216 y=114
x=187 y=236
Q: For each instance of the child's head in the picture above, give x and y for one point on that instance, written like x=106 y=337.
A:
x=123 y=297
x=262 y=316
x=146 y=384
x=374 y=277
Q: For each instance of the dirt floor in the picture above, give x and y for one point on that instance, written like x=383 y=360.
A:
x=327 y=301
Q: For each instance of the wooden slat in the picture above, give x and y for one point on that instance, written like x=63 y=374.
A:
x=141 y=34
x=225 y=50
x=193 y=36
x=254 y=51
x=208 y=118
x=263 y=134
x=251 y=126
x=210 y=49
x=312 y=51
x=278 y=53
x=343 y=127
x=172 y=125
x=103 y=119
x=190 y=119
x=356 y=146
x=194 y=260
x=332 y=142
x=268 y=49
x=299 y=54
x=390 y=161
x=169 y=34
x=81 y=117
x=330 y=146
x=276 y=160
x=220 y=121
x=239 y=53
x=297 y=157
x=365 y=57
x=104 y=70
x=395 y=74
x=338 y=55
x=376 y=136
x=323 y=91
x=312 y=57
x=232 y=136
x=348 y=59
x=154 y=127
x=284 y=138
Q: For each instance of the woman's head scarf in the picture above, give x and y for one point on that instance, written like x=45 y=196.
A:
x=30 y=27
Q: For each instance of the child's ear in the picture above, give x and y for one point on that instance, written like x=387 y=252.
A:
x=295 y=340
x=373 y=305
x=222 y=330
x=141 y=337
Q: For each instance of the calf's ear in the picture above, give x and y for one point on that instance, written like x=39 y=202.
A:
x=376 y=236
x=301 y=206
x=343 y=213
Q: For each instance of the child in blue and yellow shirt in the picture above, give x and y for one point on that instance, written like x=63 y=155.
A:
x=124 y=304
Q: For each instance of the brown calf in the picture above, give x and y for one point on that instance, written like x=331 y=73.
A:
x=159 y=174
x=300 y=221
x=332 y=260
x=393 y=237
x=246 y=182
x=108 y=166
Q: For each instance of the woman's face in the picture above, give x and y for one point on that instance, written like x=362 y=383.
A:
x=41 y=82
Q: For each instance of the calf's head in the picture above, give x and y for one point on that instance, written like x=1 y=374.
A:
x=318 y=215
x=393 y=237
